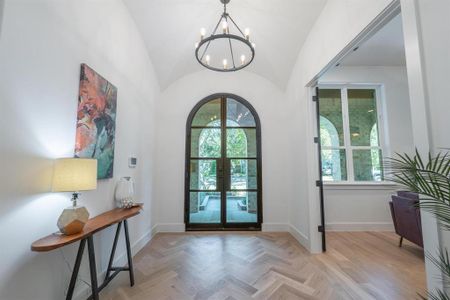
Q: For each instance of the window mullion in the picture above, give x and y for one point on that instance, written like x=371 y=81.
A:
x=382 y=138
x=347 y=141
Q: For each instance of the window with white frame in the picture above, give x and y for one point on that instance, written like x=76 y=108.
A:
x=349 y=134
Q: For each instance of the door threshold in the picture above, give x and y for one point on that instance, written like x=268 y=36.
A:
x=224 y=229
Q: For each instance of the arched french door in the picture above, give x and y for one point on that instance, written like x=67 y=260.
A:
x=223 y=165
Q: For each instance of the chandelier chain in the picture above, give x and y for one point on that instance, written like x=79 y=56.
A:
x=232 y=54
x=209 y=42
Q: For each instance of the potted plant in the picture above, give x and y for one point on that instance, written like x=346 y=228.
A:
x=430 y=179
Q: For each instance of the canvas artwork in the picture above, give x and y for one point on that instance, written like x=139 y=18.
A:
x=96 y=121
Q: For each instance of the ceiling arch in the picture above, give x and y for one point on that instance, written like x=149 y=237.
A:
x=170 y=29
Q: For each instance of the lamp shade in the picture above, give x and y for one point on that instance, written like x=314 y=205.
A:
x=74 y=174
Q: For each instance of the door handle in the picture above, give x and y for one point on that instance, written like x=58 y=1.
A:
x=227 y=174
x=219 y=175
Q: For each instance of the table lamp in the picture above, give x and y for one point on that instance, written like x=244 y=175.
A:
x=74 y=175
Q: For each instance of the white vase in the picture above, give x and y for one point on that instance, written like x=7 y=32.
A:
x=124 y=192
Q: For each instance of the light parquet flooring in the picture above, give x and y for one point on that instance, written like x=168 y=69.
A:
x=255 y=265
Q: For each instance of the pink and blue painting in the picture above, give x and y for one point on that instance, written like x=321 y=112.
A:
x=96 y=121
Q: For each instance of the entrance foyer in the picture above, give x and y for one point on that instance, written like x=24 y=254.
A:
x=262 y=265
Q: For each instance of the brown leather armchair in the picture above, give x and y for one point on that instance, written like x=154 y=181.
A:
x=406 y=217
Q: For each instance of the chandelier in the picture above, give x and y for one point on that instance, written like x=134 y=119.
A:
x=227 y=49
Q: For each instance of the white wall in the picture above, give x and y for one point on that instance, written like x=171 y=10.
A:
x=173 y=109
x=435 y=28
x=339 y=23
x=358 y=208
x=42 y=45
x=366 y=207
x=2 y=4
x=427 y=43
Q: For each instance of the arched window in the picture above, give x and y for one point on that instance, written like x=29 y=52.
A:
x=331 y=159
x=328 y=133
x=223 y=165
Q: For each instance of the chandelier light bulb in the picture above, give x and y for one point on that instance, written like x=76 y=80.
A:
x=196 y=45
x=207 y=59
x=247 y=33
x=253 y=45
x=225 y=26
x=225 y=63
x=242 y=59
x=202 y=32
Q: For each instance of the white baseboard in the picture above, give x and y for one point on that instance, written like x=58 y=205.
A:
x=154 y=230
x=300 y=237
x=168 y=227
x=275 y=227
x=360 y=226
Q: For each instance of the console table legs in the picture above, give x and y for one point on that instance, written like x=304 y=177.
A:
x=76 y=268
x=113 y=252
x=129 y=256
x=92 y=266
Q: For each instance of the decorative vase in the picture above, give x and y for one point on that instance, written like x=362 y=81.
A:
x=125 y=192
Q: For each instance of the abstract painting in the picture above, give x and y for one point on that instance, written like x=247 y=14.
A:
x=96 y=121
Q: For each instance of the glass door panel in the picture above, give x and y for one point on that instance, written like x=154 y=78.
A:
x=208 y=115
x=239 y=115
x=223 y=179
x=203 y=175
x=204 y=207
x=241 y=142
x=204 y=197
x=243 y=174
x=206 y=142
x=242 y=191
x=242 y=207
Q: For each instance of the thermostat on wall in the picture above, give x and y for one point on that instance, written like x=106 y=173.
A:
x=132 y=162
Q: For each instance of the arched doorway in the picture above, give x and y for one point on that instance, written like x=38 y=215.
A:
x=223 y=165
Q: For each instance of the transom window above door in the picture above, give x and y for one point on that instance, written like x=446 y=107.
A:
x=351 y=144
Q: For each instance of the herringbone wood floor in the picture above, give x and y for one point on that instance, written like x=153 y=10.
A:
x=254 y=265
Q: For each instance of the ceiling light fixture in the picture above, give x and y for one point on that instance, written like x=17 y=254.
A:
x=230 y=44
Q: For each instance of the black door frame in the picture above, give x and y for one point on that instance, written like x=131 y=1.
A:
x=319 y=183
x=221 y=186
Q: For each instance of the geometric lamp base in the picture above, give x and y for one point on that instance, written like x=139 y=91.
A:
x=73 y=219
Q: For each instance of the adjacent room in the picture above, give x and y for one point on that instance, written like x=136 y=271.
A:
x=224 y=149
x=365 y=119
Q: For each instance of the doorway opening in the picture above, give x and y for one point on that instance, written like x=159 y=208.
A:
x=223 y=165
x=363 y=116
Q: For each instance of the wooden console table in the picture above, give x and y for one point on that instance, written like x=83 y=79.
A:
x=98 y=223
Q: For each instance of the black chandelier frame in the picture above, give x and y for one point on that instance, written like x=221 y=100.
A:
x=226 y=35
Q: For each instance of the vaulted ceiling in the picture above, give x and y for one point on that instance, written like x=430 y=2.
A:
x=170 y=29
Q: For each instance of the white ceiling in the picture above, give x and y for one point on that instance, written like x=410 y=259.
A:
x=170 y=29
x=385 y=48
